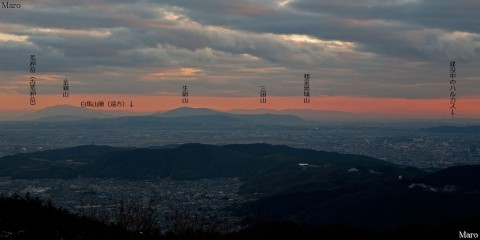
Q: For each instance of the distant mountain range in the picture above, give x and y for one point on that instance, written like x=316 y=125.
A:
x=186 y=112
x=300 y=185
x=61 y=113
x=323 y=115
x=66 y=113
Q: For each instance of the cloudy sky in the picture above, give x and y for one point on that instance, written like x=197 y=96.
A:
x=363 y=55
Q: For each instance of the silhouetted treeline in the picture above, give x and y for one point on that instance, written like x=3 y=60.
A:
x=25 y=217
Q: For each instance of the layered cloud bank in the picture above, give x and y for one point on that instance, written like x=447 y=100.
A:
x=395 y=49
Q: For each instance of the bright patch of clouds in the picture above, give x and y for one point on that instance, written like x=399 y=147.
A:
x=305 y=39
x=171 y=74
x=74 y=32
x=283 y=3
x=5 y=37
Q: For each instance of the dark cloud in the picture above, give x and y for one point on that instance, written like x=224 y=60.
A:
x=382 y=27
x=383 y=48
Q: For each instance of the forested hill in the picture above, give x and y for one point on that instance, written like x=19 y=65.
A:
x=264 y=167
x=189 y=161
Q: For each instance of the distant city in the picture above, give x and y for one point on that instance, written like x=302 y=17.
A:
x=405 y=143
x=209 y=199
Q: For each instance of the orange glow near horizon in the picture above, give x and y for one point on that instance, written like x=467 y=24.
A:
x=398 y=106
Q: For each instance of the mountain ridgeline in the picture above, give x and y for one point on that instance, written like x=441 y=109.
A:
x=276 y=167
x=76 y=116
x=253 y=162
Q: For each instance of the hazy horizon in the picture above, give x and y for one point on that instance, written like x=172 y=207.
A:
x=75 y=112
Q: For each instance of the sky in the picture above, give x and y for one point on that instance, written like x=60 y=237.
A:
x=384 y=56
